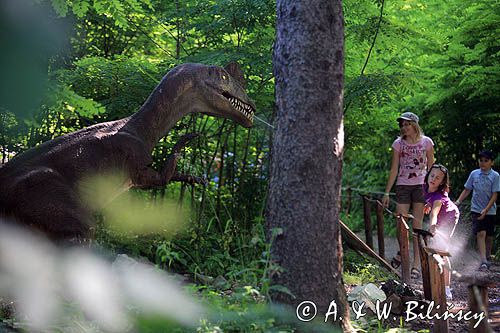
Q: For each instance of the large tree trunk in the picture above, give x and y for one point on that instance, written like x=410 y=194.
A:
x=306 y=166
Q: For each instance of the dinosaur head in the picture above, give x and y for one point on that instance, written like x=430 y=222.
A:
x=216 y=91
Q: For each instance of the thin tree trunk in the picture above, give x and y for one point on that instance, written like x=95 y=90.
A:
x=208 y=168
x=231 y=171
x=306 y=167
x=221 y=178
x=4 y=138
x=178 y=28
x=244 y=161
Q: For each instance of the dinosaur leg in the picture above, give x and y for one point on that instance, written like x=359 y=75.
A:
x=43 y=200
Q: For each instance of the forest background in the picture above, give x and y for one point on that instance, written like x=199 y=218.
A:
x=69 y=64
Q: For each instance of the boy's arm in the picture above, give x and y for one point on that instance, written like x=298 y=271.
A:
x=490 y=204
x=467 y=189
x=465 y=193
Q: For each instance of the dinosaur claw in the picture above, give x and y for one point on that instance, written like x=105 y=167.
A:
x=189 y=179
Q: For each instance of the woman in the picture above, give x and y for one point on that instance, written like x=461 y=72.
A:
x=412 y=156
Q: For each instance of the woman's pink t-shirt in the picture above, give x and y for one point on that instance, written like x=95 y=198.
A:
x=412 y=160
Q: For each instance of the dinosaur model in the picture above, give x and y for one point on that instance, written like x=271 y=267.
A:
x=40 y=188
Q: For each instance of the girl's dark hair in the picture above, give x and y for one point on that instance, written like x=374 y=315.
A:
x=445 y=185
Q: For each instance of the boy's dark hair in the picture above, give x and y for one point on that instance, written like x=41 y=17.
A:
x=445 y=185
x=487 y=154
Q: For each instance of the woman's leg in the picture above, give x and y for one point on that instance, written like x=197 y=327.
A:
x=418 y=214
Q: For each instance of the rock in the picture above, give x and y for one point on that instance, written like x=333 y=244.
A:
x=123 y=260
x=221 y=283
x=205 y=279
x=4 y=328
x=6 y=308
x=368 y=294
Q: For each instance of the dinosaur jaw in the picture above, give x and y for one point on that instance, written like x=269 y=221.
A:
x=226 y=105
x=244 y=110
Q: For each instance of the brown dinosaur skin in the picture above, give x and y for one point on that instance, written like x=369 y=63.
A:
x=41 y=188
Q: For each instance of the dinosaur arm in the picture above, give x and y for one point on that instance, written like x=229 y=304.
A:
x=138 y=161
x=189 y=179
x=147 y=177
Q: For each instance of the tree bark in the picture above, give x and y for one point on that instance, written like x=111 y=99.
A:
x=306 y=165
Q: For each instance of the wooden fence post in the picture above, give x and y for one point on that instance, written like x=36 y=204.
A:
x=477 y=286
x=477 y=295
x=438 y=294
x=404 y=249
x=424 y=261
x=368 y=221
x=380 y=229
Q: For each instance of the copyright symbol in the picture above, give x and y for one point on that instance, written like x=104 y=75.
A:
x=306 y=311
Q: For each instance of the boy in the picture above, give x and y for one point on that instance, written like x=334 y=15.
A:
x=485 y=184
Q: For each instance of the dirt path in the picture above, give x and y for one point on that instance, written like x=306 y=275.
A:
x=466 y=261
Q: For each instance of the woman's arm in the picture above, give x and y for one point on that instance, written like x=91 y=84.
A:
x=429 y=153
x=392 y=176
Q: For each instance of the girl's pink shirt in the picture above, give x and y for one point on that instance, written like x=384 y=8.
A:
x=412 y=160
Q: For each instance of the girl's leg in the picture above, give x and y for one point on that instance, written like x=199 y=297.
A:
x=447 y=274
x=447 y=280
x=418 y=213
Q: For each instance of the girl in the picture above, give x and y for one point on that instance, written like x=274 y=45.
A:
x=444 y=213
x=412 y=155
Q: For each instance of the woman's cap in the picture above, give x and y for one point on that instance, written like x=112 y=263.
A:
x=487 y=154
x=410 y=116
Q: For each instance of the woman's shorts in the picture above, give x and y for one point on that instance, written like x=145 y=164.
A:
x=407 y=194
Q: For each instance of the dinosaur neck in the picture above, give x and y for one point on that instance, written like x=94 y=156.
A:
x=156 y=117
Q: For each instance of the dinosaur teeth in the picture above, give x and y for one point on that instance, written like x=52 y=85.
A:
x=242 y=107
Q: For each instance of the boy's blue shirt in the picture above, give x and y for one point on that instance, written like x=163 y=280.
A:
x=483 y=184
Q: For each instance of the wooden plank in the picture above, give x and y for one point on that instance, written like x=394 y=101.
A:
x=442 y=253
x=478 y=280
x=357 y=243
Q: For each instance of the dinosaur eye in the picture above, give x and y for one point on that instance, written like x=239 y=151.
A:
x=224 y=77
